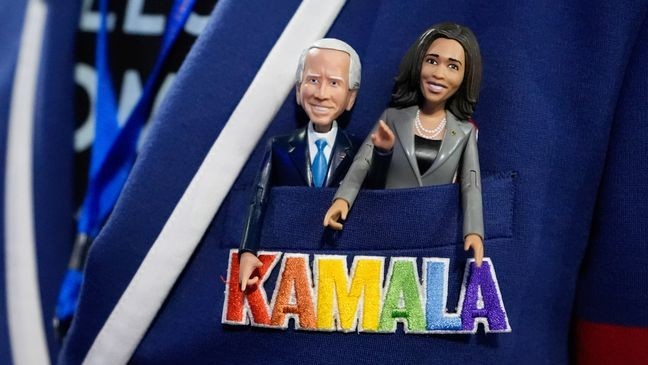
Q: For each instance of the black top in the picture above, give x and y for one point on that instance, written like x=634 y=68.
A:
x=426 y=151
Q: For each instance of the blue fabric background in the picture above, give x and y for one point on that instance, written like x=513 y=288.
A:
x=552 y=77
x=614 y=272
x=562 y=117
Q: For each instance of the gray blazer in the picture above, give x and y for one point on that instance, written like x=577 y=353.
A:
x=458 y=150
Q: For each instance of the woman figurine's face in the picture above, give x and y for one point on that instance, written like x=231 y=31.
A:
x=442 y=71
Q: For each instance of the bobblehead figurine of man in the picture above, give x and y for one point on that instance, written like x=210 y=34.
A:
x=318 y=155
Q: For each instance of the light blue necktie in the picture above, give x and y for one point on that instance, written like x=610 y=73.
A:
x=319 y=164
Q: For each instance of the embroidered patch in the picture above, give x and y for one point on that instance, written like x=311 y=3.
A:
x=364 y=299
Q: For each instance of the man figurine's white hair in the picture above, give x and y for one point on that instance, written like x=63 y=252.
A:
x=331 y=43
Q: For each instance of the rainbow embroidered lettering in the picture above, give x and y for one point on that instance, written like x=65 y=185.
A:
x=333 y=298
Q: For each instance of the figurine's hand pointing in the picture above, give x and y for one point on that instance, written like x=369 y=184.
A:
x=475 y=242
x=383 y=137
x=339 y=209
x=247 y=264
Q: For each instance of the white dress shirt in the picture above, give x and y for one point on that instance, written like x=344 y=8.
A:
x=314 y=136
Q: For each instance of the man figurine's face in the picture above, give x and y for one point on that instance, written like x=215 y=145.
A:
x=324 y=90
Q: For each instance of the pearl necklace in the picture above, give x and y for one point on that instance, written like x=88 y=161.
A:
x=428 y=133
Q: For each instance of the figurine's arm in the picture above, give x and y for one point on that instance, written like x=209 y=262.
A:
x=383 y=140
x=471 y=199
x=362 y=163
x=348 y=190
x=355 y=177
x=252 y=229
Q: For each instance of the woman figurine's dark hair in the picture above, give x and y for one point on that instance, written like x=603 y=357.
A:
x=407 y=88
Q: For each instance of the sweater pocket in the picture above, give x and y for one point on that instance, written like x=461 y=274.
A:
x=385 y=219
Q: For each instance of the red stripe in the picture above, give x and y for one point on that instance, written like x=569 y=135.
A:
x=599 y=343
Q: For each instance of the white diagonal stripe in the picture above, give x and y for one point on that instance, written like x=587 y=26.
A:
x=26 y=332
x=138 y=305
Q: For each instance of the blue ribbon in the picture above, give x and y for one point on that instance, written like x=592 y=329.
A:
x=113 y=151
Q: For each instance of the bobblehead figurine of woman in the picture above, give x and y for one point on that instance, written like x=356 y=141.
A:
x=425 y=138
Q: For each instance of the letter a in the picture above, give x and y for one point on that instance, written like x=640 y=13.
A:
x=481 y=299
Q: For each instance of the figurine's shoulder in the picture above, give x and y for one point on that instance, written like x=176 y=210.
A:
x=394 y=114
x=466 y=126
x=295 y=137
x=392 y=110
x=396 y=111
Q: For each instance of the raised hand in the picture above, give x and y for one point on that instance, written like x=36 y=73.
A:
x=383 y=137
